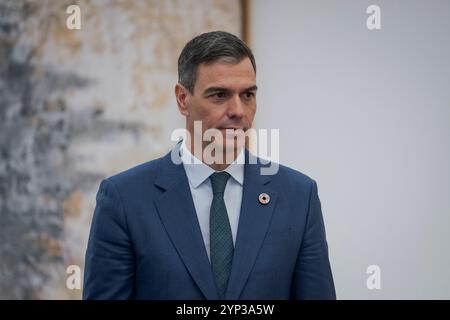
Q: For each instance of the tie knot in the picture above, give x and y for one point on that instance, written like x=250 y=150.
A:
x=219 y=181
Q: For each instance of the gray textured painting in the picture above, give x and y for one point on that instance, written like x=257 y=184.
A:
x=76 y=106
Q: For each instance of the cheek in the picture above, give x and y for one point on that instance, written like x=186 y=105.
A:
x=251 y=111
x=203 y=113
x=208 y=114
x=197 y=109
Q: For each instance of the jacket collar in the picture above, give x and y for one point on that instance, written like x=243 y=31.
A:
x=177 y=211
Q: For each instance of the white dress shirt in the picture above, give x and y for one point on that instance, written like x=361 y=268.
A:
x=198 y=175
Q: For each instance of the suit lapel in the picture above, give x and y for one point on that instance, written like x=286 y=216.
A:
x=177 y=211
x=254 y=221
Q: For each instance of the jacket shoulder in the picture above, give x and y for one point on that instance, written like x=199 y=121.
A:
x=294 y=178
x=143 y=172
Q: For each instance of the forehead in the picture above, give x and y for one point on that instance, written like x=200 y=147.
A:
x=227 y=74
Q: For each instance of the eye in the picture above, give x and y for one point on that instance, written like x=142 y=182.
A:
x=249 y=94
x=219 y=95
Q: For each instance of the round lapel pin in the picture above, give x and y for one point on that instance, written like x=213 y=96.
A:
x=264 y=198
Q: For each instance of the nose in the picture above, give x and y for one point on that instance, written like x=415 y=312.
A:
x=235 y=107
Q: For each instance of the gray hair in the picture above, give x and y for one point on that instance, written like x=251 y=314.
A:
x=207 y=48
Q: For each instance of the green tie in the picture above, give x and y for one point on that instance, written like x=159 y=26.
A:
x=220 y=238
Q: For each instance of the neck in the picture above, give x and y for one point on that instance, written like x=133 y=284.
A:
x=218 y=167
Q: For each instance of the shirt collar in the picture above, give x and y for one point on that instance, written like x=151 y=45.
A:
x=197 y=172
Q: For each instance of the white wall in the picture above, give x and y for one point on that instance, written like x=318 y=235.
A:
x=367 y=115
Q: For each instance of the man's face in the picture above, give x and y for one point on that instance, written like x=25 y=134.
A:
x=224 y=97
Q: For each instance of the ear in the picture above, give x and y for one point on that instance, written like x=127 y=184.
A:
x=182 y=94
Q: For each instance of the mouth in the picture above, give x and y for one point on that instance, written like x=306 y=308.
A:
x=231 y=128
x=230 y=131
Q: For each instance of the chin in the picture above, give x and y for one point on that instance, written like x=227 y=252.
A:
x=233 y=146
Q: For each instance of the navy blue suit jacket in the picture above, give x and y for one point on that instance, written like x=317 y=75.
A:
x=145 y=240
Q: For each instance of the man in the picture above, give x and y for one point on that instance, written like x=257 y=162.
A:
x=202 y=229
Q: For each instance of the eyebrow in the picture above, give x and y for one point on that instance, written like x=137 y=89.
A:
x=222 y=89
